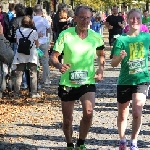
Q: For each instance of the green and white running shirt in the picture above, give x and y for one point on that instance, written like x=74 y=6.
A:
x=79 y=53
x=134 y=67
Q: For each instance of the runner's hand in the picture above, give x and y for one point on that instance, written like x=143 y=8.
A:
x=110 y=27
x=123 y=54
x=64 y=67
x=121 y=25
x=98 y=75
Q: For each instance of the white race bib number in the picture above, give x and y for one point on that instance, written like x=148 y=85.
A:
x=78 y=77
x=136 y=66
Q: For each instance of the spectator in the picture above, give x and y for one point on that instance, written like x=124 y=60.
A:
x=63 y=20
x=43 y=27
x=22 y=60
x=29 y=11
x=96 y=25
x=4 y=20
x=11 y=12
x=15 y=23
x=56 y=29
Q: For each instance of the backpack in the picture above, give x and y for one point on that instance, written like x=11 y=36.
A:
x=24 y=44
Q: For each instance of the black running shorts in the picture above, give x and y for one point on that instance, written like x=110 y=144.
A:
x=124 y=92
x=74 y=93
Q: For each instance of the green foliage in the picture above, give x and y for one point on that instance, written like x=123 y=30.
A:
x=95 y=4
x=30 y=2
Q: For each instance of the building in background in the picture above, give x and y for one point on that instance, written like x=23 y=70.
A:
x=6 y=3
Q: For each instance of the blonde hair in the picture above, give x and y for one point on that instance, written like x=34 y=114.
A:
x=133 y=10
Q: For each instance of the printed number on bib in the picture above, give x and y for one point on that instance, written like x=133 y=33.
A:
x=78 y=77
x=136 y=66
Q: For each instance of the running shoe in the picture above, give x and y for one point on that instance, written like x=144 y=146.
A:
x=133 y=147
x=82 y=147
x=123 y=145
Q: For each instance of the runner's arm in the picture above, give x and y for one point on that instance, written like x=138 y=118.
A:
x=54 y=60
x=37 y=43
x=116 y=52
x=115 y=61
x=107 y=25
x=101 y=57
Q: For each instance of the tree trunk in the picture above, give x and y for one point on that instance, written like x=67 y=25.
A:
x=39 y=1
x=72 y=3
x=147 y=6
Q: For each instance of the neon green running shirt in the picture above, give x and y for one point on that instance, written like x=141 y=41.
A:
x=80 y=54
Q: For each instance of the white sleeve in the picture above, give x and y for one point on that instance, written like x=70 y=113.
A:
x=35 y=35
x=47 y=24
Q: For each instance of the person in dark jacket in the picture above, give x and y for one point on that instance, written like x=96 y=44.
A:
x=55 y=20
x=4 y=20
x=15 y=23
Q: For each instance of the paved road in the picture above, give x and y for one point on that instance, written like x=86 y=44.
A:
x=37 y=125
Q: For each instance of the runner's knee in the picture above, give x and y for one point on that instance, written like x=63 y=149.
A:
x=67 y=121
x=137 y=113
x=88 y=115
x=122 y=116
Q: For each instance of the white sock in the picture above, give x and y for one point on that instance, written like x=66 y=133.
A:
x=123 y=140
x=134 y=141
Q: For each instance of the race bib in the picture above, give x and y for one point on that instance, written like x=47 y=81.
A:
x=78 y=77
x=136 y=66
x=116 y=36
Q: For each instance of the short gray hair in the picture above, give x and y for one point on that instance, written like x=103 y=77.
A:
x=70 y=13
x=134 y=10
x=37 y=8
x=76 y=12
x=38 y=11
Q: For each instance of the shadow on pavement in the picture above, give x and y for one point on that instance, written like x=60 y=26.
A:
x=108 y=143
